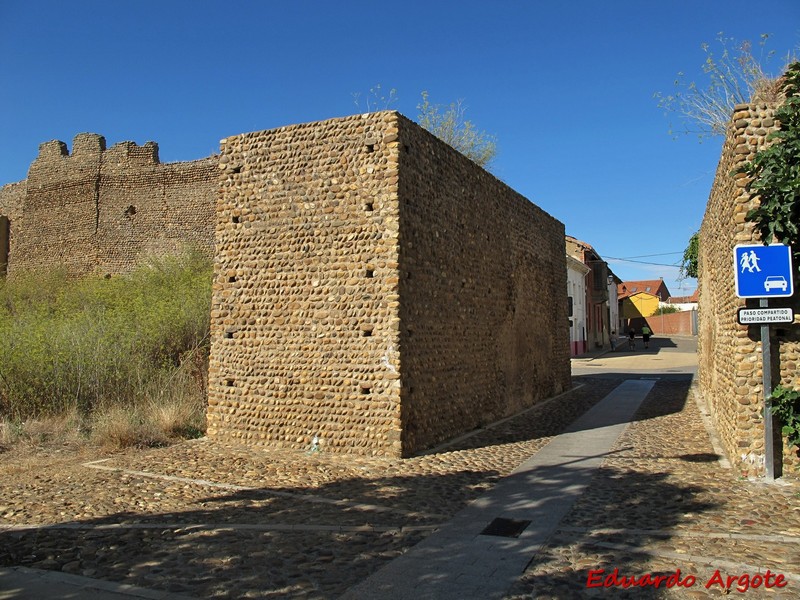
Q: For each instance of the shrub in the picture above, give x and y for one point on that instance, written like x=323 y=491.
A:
x=94 y=344
x=786 y=408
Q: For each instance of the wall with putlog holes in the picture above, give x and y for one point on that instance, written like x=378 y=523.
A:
x=98 y=210
x=377 y=291
x=373 y=289
x=730 y=370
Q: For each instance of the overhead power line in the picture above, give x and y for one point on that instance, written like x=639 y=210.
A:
x=648 y=255
x=643 y=262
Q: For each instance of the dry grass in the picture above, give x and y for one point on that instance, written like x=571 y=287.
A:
x=63 y=430
x=175 y=405
x=150 y=424
x=111 y=363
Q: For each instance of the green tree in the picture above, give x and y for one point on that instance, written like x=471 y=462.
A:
x=667 y=310
x=445 y=122
x=688 y=267
x=449 y=125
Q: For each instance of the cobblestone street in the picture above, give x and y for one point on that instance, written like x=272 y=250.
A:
x=213 y=521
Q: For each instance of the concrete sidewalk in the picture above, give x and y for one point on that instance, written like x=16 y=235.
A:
x=463 y=559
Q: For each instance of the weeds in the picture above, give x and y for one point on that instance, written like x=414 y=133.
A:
x=127 y=355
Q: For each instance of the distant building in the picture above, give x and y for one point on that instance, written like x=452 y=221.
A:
x=576 y=297
x=684 y=303
x=601 y=317
x=639 y=299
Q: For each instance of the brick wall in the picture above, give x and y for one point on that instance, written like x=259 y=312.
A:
x=377 y=289
x=679 y=323
x=98 y=210
x=730 y=354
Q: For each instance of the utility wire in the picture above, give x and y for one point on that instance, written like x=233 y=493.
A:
x=643 y=262
x=646 y=255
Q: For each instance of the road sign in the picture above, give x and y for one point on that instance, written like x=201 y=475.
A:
x=763 y=271
x=759 y=316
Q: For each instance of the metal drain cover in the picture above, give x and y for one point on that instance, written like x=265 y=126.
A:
x=505 y=528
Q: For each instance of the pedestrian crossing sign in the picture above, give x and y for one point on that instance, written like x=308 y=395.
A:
x=763 y=271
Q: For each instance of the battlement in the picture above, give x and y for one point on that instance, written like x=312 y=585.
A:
x=88 y=144
x=98 y=210
x=92 y=145
x=130 y=152
x=52 y=149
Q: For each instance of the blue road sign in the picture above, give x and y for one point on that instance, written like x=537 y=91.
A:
x=763 y=271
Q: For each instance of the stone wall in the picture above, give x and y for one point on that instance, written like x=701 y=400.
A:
x=378 y=290
x=305 y=333
x=12 y=198
x=483 y=308
x=730 y=354
x=98 y=210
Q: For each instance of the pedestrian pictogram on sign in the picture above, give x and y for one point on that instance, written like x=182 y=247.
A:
x=763 y=271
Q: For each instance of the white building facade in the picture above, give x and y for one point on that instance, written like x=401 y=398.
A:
x=576 y=296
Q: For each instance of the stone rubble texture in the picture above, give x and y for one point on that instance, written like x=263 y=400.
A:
x=376 y=291
x=104 y=211
x=730 y=371
x=304 y=525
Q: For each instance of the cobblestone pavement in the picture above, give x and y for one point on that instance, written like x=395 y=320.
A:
x=216 y=521
x=661 y=503
x=223 y=521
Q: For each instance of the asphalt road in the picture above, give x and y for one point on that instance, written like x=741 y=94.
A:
x=667 y=358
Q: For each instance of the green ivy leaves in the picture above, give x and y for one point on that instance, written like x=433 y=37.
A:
x=775 y=172
x=786 y=407
x=775 y=177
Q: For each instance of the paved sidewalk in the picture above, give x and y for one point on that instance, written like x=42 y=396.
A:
x=459 y=561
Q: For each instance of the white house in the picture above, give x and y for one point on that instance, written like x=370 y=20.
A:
x=683 y=303
x=576 y=296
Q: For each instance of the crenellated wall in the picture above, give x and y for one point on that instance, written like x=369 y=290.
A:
x=378 y=290
x=373 y=287
x=99 y=210
x=730 y=354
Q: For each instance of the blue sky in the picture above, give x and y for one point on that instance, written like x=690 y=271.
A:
x=566 y=87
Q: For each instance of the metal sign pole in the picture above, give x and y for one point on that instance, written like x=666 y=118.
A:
x=764 y=272
x=766 y=379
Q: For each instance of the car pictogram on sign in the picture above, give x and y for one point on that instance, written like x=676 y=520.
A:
x=775 y=281
x=763 y=271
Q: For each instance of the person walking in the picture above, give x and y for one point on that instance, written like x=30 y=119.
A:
x=646 y=333
x=632 y=338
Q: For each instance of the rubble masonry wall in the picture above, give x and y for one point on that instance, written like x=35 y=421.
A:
x=730 y=354
x=378 y=290
x=104 y=211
